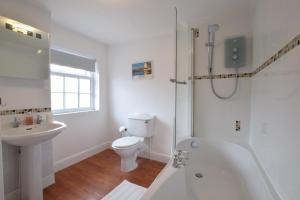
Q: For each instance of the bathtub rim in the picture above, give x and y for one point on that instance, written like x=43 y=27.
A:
x=169 y=169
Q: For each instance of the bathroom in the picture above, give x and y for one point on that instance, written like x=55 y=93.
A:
x=142 y=121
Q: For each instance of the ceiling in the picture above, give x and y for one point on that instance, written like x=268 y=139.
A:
x=117 y=21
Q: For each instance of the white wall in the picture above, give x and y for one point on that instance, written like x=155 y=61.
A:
x=87 y=132
x=154 y=96
x=214 y=117
x=275 y=110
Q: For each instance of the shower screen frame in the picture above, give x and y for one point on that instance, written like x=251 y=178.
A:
x=184 y=80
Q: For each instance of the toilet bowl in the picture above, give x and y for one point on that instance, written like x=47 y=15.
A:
x=129 y=147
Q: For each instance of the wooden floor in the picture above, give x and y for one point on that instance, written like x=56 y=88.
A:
x=93 y=178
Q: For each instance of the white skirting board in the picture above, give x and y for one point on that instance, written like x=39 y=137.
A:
x=160 y=157
x=71 y=160
x=126 y=191
x=15 y=195
x=156 y=156
x=48 y=180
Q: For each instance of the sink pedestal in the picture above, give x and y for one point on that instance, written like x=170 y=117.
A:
x=30 y=138
x=31 y=172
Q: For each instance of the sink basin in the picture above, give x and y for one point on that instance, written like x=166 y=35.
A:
x=29 y=138
x=31 y=135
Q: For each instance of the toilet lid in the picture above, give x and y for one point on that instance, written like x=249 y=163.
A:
x=127 y=141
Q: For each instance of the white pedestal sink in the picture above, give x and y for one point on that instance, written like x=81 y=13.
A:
x=29 y=138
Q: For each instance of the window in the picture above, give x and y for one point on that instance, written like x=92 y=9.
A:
x=72 y=89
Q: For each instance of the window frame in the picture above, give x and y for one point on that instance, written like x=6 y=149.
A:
x=78 y=77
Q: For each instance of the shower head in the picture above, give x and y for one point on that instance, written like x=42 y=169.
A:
x=213 y=28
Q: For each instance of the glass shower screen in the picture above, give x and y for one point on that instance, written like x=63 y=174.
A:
x=183 y=81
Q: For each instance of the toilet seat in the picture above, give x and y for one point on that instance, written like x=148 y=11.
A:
x=127 y=142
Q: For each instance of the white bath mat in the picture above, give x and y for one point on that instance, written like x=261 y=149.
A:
x=125 y=191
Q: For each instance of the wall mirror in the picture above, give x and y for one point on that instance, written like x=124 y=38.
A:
x=24 y=50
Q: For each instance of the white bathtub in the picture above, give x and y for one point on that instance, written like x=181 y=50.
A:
x=229 y=171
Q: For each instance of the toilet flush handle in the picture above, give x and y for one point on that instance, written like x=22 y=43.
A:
x=122 y=130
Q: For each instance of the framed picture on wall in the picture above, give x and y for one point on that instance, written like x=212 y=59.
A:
x=142 y=70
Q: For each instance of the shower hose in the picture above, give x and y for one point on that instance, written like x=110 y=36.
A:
x=213 y=86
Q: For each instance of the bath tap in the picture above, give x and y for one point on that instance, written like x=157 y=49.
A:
x=180 y=158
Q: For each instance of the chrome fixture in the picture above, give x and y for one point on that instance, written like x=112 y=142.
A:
x=16 y=123
x=194 y=35
x=172 y=80
x=39 y=119
x=212 y=29
x=180 y=158
x=1 y=103
x=175 y=88
x=194 y=145
x=199 y=175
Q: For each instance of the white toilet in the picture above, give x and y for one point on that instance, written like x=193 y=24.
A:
x=140 y=126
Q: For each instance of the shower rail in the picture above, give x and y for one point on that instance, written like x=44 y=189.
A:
x=178 y=82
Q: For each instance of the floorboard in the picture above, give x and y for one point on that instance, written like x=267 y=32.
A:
x=93 y=178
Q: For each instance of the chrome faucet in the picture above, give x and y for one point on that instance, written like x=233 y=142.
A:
x=39 y=119
x=16 y=123
x=180 y=158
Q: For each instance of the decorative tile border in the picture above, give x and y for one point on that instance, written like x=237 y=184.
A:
x=223 y=76
x=283 y=51
x=23 y=111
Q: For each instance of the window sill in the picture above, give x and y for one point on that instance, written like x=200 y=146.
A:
x=73 y=112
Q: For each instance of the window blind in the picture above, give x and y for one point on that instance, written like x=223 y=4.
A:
x=70 y=60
